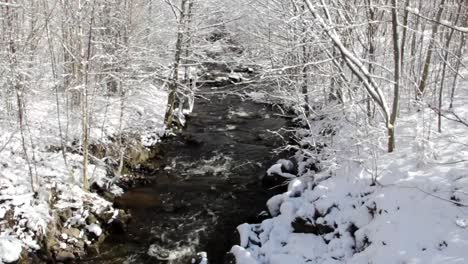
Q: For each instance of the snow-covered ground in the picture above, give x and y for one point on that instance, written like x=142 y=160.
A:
x=24 y=216
x=416 y=211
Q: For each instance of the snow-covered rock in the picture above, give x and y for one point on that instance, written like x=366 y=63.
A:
x=243 y=256
x=10 y=249
x=95 y=229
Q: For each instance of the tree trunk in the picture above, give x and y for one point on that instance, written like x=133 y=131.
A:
x=444 y=69
x=174 y=83
x=85 y=55
x=427 y=62
x=396 y=77
x=16 y=80
x=305 y=71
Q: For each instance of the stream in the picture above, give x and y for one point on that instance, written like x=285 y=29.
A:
x=207 y=183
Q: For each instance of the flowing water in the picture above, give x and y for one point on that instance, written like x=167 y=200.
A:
x=207 y=183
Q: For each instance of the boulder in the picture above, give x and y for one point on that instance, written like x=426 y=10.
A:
x=91 y=219
x=200 y=258
x=71 y=232
x=278 y=174
x=64 y=256
x=301 y=225
x=235 y=77
x=93 y=249
x=119 y=224
x=65 y=214
x=229 y=258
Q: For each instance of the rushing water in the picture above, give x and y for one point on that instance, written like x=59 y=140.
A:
x=207 y=184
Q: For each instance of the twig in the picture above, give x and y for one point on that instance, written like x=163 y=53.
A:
x=8 y=141
x=426 y=192
x=454 y=27
x=448 y=163
x=456 y=118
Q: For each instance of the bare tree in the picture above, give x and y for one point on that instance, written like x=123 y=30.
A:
x=427 y=62
x=17 y=75
x=174 y=82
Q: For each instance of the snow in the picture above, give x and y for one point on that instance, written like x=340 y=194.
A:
x=257 y=96
x=366 y=205
x=235 y=76
x=95 y=229
x=413 y=10
x=25 y=215
x=203 y=258
x=461 y=223
x=10 y=249
x=276 y=169
x=412 y=237
x=461 y=29
x=450 y=25
x=287 y=164
x=243 y=256
x=244 y=233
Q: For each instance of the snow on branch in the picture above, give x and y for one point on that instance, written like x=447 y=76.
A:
x=354 y=63
x=444 y=23
x=9 y=5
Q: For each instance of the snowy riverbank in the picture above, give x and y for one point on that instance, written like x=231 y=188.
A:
x=61 y=218
x=415 y=212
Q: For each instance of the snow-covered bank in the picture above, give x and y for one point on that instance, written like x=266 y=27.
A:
x=60 y=217
x=366 y=205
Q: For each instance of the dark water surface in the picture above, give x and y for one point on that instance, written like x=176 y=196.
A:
x=207 y=184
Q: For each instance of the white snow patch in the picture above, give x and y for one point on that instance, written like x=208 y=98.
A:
x=243 y=256
x=95 y=229
x=276 y=170
x=203 y=258
x=10 y=249
x=244 y=233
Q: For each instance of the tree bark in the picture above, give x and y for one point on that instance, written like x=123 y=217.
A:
x=427 y=63
x=396 y=77
x=174 y=83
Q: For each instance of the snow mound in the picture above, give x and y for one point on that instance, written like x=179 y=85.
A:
x=10 y=249
x=366 y=205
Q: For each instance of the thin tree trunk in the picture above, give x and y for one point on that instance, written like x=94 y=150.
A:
x=457 y=67
x=427 y=63
x=460 y=51
x=403 y=49
x=370 y=35
x=396 y=77
x=54 y=75
x=17 y=83
x=444 y=68
x=174 y=83
x=353 y=63
x=85 y=57
x=305 y=74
